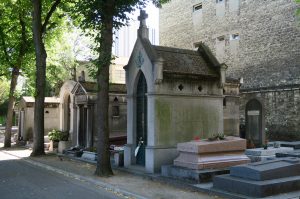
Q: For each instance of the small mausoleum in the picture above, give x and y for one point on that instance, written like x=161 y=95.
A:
x=26 y=116
x=173 y=96
x=77 y=111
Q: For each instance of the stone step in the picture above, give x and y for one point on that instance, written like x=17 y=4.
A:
x=255 y=188
x=289 y=154
x=199 y=176
x=267 y=170
x=295 y=145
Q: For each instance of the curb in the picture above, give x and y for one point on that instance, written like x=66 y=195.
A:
x=99 y=183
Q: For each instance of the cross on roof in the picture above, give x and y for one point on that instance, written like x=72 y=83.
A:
x=142 y=18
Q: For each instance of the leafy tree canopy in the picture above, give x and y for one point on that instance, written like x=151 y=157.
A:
x=15 y=28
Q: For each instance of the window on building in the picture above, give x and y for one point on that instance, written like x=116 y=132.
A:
x=220 y=8
x=116 y=108
x=197 y=45
x=224 y=102
x=235 y=36
x=220 y=48
x=234 y=6
x=197 y=7
x=115 y=111
x=221 y=38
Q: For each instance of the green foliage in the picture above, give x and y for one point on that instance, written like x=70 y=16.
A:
x=56 y=135
x=4 y=90
x=219 y=136
x=15 y=30
x=298 y=10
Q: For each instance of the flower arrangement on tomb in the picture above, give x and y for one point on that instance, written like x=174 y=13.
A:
x=219 y=136
x=197 y=138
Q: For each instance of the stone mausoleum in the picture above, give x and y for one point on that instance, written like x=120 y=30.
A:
x=259 y=41
x=26 y=116
x=173 y=95
x=77 y=111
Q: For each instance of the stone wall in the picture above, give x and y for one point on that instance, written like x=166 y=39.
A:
x=282 y=108
x=231 y=104
x=265 y=50
x=258 y=40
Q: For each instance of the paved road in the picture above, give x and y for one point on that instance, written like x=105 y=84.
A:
x=21 y=180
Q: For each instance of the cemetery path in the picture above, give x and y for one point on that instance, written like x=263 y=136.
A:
x=19 y=179
x=122 y=184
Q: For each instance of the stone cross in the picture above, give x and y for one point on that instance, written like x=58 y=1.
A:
x=142 y=18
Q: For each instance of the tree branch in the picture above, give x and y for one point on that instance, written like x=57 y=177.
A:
x=49 y=14
x=23 y=41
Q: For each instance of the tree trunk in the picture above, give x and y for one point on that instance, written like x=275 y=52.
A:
x=10 y=110
x=103 y=162
x=41 y=56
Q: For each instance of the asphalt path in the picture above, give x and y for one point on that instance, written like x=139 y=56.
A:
x=21 y=180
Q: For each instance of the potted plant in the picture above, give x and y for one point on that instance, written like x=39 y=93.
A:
x=54 y=137
x=64 y=142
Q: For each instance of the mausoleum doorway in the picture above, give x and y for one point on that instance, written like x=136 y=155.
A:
x=254 y=122
x=141 y=119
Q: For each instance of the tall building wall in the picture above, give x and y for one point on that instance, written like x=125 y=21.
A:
x=258 y=40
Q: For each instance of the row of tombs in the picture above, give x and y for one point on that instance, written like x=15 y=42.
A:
x=171 y=96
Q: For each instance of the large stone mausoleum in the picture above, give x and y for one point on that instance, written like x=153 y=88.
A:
x=259 y=41
x=173 y=95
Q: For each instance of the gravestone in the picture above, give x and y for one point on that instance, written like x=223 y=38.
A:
x=295 y=145
x=260 y=154
x=295 y=153
x=207 y=154
x=201 y=160
x=261 y=179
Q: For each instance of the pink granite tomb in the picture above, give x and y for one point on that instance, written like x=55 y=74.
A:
x=205 y=154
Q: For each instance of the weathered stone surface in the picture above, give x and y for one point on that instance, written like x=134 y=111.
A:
x=181 y=173
x=265 y=54
x=260 y=154
x=295 y=145
x=254 y=54
x=210 y=161
x=267 y=170
x=261 y=179
x=205 y=146
x=211 y=154
x=289 y=154
x=89 y=155
x=254 y=188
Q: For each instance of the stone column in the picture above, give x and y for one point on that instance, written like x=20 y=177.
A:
x=21 y=121
x=78 y=125
x=89 y=126
x=73 y=125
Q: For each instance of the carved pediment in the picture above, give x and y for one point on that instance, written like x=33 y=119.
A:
x=79 y=90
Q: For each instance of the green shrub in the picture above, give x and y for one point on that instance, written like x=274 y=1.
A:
x=56 y=135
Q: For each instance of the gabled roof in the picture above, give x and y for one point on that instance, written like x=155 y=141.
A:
x=83 y=88
x=183 y=61
x=178 y=61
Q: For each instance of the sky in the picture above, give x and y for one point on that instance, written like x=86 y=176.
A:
x=126 y=36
